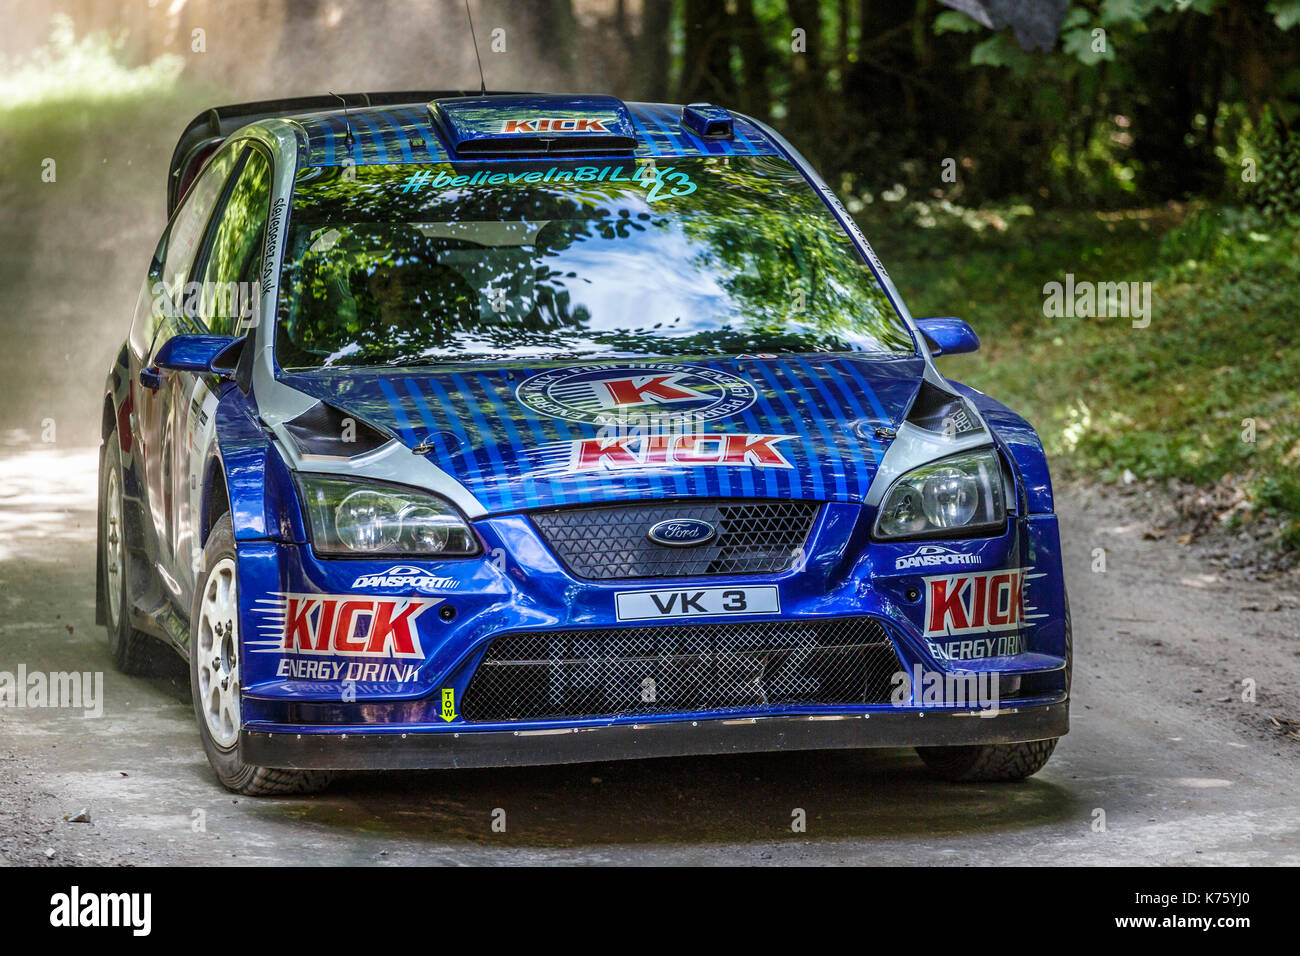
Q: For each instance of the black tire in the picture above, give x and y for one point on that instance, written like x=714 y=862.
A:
x=134 y=652
x=988 y=762
x=234 y=774
x=993 y=762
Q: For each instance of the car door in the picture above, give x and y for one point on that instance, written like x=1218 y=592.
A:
x=225 y=271
x=160 y=314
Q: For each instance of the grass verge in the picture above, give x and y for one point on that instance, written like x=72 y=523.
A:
x=1209 y=392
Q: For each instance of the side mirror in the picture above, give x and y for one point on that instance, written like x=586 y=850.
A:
x=948 y=336
x=205 y=354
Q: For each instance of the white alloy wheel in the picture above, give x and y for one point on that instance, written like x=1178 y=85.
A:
x=217 y=653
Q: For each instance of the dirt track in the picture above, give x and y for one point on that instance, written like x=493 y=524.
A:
x=1185 y=771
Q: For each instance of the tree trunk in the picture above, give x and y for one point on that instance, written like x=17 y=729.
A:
x=810 y=108
x=652 y=54
x=706 y=61
x=756 y=95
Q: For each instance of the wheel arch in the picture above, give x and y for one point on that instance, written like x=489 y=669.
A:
x=216 y=494
x=109 y=418
x=248 y=469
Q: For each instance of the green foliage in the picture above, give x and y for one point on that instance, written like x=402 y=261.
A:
x=952 y=21
x=1001 y=49
x=1141 y=101
x=1277 y=177
x=1286 y=13
x=1122 y=11
x=1167 y=401
x=1208 y=234
x=1078 y=40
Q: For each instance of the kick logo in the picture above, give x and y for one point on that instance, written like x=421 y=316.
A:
x=327 y=625
x=959 y=604
x=652 y=451
x=606 y=394
x=554 y=124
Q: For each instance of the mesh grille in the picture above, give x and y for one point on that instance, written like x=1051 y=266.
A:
x=753 y=537
x=681 y=668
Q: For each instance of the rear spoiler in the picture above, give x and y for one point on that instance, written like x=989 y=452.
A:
x=210 y=128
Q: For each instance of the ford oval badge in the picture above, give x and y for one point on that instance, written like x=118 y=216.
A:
x=682 y=532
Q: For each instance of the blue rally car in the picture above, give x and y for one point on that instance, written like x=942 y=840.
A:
x=485 y=430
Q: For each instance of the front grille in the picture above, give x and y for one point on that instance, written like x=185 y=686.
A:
x=681 y=668
x=753 y=537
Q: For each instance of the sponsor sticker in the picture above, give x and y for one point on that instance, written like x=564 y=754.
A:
x=554 y=124
x=406 y=576
x=604 y=394
x=659 y=183
x=296 y=668
x=1004 y=645
x=654 y=451
x=974 y=603
x=693 y=602
x=328 y=626
x=961 y=422
x=933 y=556
x=269 y=255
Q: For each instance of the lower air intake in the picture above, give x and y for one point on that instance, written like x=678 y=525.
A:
x=682 y=668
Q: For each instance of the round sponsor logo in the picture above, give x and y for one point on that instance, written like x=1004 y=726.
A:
x=681 y=532
x=619 y=394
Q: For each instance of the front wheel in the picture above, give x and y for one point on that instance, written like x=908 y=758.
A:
x=215 y=653
x=988 y=762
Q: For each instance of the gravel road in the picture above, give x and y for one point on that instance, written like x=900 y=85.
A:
x=1164 y=750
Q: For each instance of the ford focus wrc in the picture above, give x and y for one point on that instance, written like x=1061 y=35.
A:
x=463 y=431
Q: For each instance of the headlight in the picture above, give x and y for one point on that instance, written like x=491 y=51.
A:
x=356 y=518
x=960 y=494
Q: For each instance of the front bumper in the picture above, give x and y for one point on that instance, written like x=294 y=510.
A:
x=344 y=749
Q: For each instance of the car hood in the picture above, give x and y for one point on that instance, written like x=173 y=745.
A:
x=522 y=436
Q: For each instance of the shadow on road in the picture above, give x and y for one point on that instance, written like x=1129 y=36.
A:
x=706 y=800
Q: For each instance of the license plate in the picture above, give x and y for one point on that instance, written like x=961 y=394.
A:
x=695 y=602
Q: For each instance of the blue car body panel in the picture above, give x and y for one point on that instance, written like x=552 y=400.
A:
x=825 y=409
x=831 y=419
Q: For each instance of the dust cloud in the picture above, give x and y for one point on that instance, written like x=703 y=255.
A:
x=94 y=93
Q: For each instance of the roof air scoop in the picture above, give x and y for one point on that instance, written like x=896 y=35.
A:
x=534 y=124
x=708 y=121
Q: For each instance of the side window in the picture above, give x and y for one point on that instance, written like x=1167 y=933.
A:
x=179 y=245
x=233 y=251
x=190 y=222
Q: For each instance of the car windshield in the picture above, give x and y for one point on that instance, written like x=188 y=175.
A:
x=391 y=265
